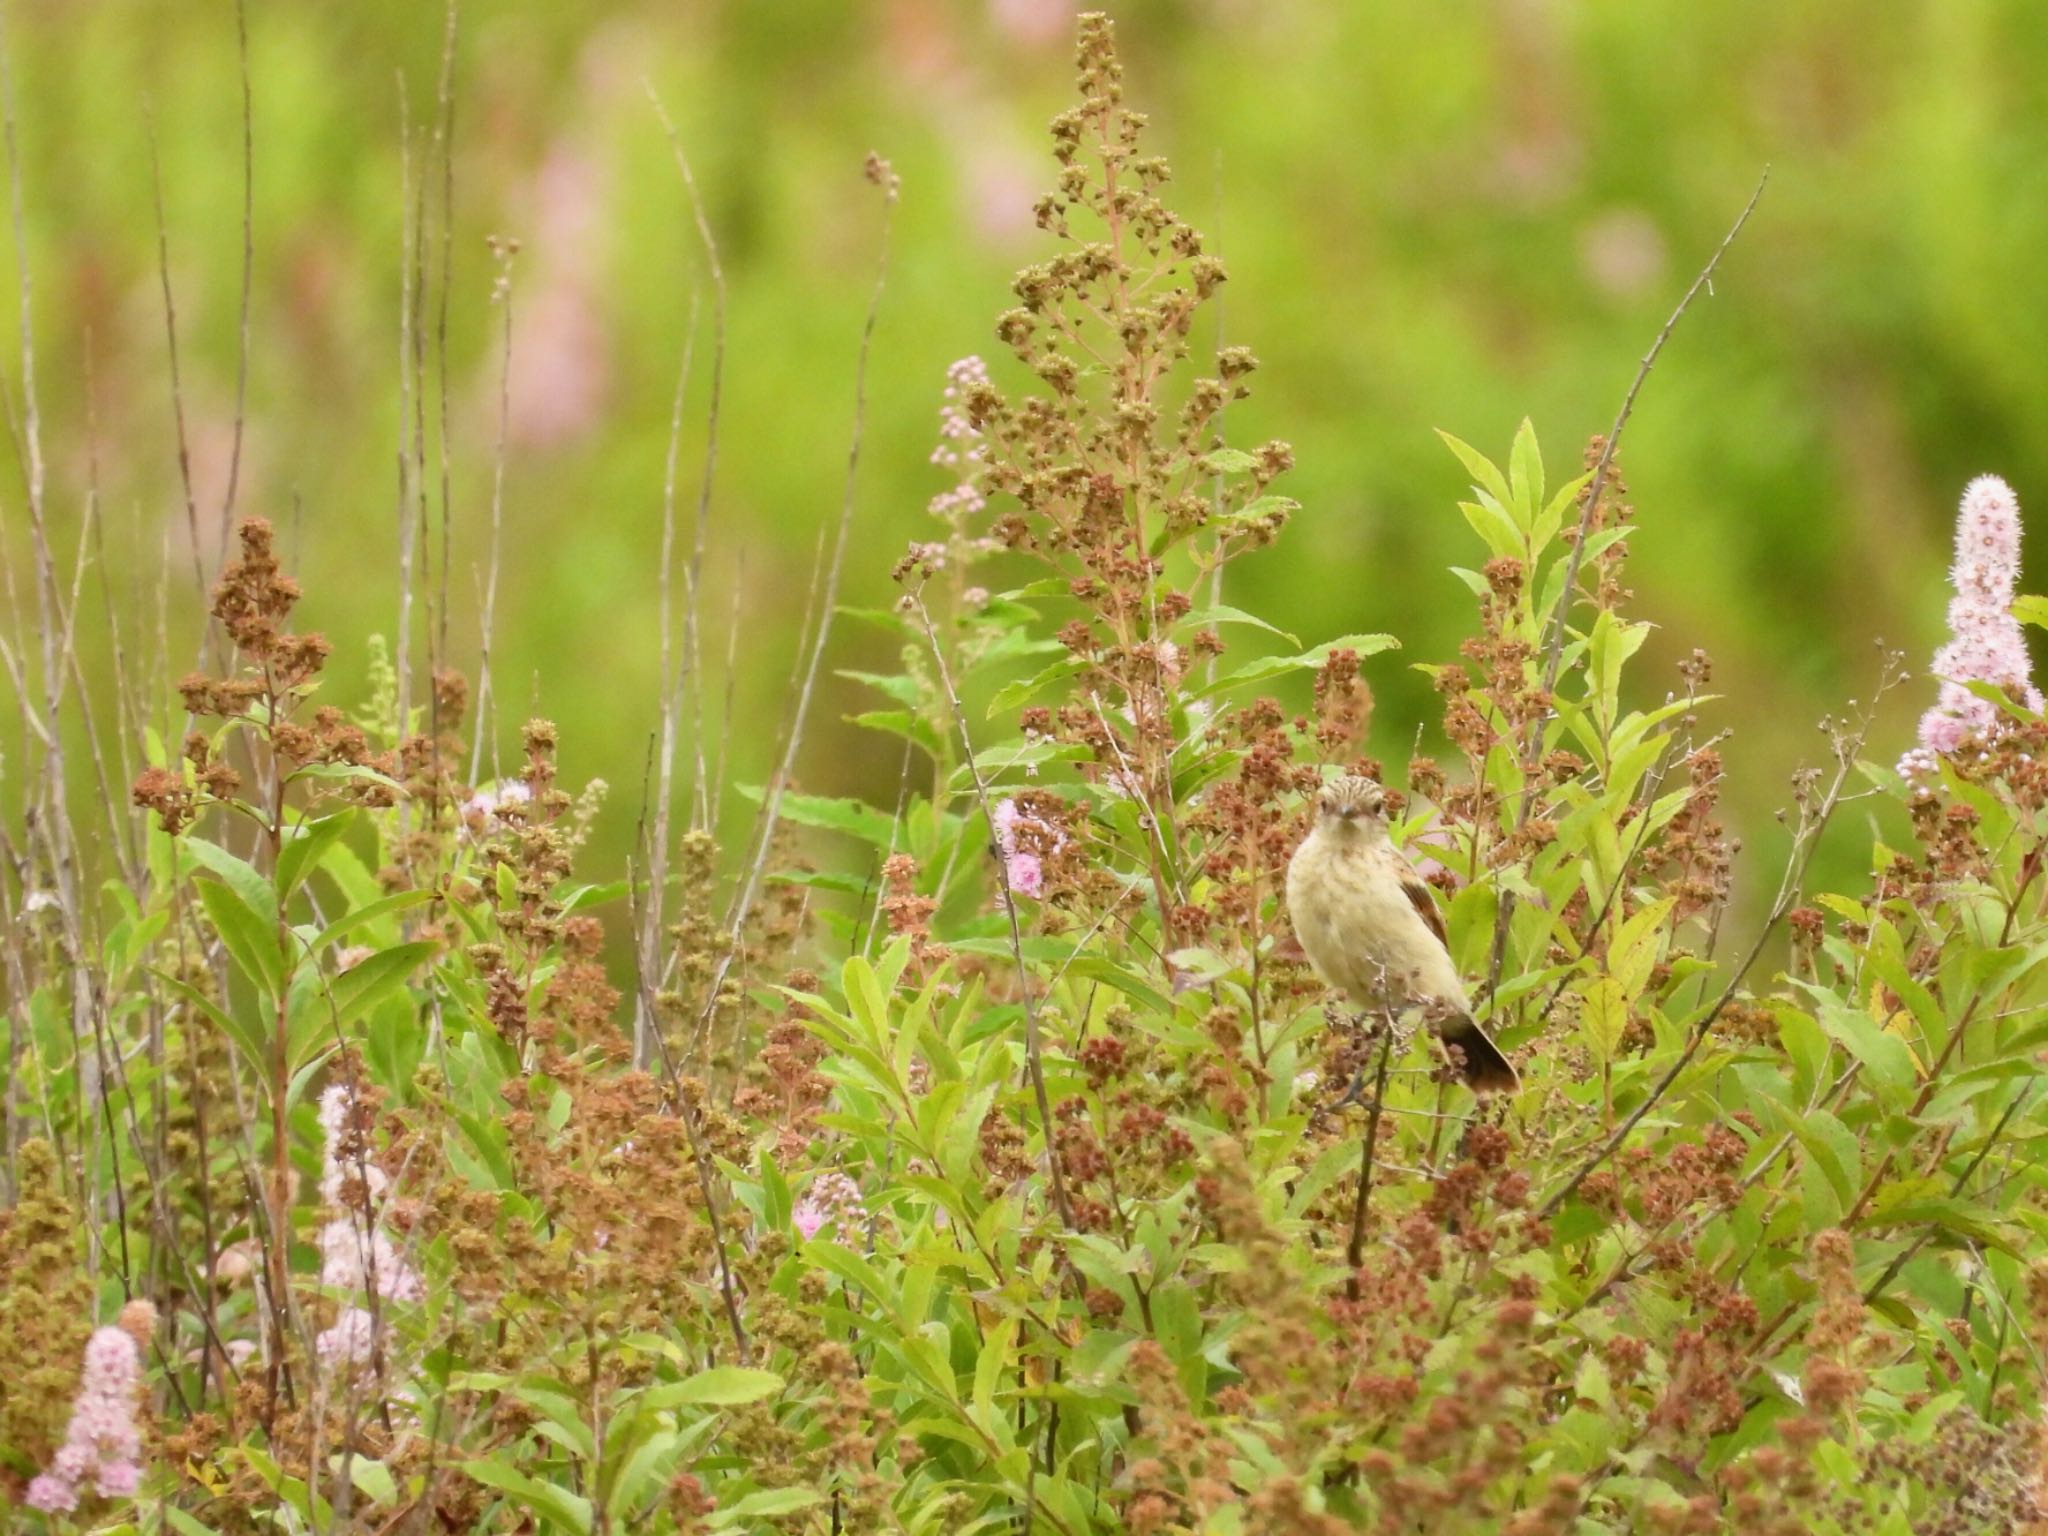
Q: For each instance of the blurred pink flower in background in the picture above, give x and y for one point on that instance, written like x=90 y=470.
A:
x=561 y=357
x=1033 y=23
x=1622 y=251
x=1986 y=643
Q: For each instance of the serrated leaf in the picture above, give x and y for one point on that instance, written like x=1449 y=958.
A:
x=1603 y=1015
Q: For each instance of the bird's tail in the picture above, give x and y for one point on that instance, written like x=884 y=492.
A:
x=1484 y=1066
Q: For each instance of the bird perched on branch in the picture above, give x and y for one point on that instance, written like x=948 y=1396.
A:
x=1372 y=930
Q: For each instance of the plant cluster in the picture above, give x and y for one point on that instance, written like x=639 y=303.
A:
x=1026 y=1178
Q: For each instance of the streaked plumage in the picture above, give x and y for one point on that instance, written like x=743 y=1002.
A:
x=1372 y=930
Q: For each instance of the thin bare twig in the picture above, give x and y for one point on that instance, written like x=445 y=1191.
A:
x=486 y=704
x=1557 y=623
x=227 y=504
x=771 y=809
x=706 y=812
x=1354 y=1251
x=1553 y=652
x=1034 y=1054
x=670 y=692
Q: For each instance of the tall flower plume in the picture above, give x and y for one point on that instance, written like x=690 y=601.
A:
x=102 y=1443
x=355 y=1253
x=1985 y=644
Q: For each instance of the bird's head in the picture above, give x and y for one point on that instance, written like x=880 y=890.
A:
x=1352 y=805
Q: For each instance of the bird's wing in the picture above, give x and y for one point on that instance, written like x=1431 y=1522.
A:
x=1424 y=903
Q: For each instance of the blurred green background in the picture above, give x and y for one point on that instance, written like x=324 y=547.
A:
x=1435 y=215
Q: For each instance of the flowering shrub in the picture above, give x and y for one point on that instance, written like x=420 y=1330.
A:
x=1037 y=1184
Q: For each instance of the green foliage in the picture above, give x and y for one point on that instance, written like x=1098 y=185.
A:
x=1037 y=1184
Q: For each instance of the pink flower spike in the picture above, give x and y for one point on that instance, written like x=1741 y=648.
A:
x=1027 y=875
x=1986 y=643
x=102 y=1441
x=52 y=1494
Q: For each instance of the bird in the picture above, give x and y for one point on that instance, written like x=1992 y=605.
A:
x=1371 y=928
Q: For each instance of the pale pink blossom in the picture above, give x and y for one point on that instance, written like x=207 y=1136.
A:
x=351 y=1341
x=102 y=1441
x=832 y=1197
x=960 y=446
x=1023 y=868
x=1986 y=643
x=357 y=1257
x=488 y=803
x=1027 y=874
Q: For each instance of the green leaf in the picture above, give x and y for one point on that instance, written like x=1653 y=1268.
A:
x=1604 y=1015
x=1268 y=667
x=305 y=845
x=241 y=875
x=1223 y=614
x=1884 y=1055
x=833 y=814
x=769 y=1501
x=581 y=898
x=723 y=1386
x=332 y=1009
x=556 y=1503
x=1013 y=695
x=1634 y=951
x=250 y=937
x=255 y=1048
x=636 y=1474
x=373 y=1479
x=1525 y=474
x=348 y=773
x=902 y=723
x=1230 y=461
x=905 y=690
x=2031 y=609
x=1484 y=476
x=348 y=922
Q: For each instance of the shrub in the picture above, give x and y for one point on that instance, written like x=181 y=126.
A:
x=1036 y=1183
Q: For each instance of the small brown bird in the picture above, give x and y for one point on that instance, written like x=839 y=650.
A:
x=1372 y=930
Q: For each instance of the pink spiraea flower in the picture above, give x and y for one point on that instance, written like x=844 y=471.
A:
x=832 y=1197
x=356 y=1255
x=1985 y=644
x=102 y=1442
x=1023 y=868
x=960 y=447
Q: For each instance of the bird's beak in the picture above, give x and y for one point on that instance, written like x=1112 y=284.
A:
x=1349 y=813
